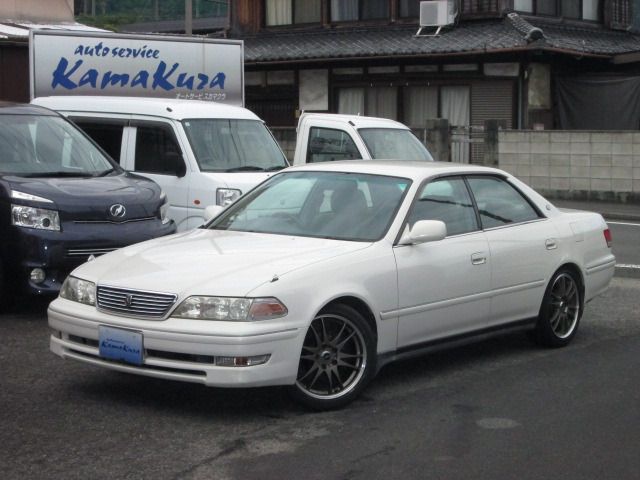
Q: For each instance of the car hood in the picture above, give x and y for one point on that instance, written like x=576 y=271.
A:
x=211 y=262
x=89 y=198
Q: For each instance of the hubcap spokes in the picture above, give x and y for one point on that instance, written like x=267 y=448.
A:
x=333 y=357
x=565 y=305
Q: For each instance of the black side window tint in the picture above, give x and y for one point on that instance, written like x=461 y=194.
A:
x=327 y=144
x=447 y=200
x=499 y=203
x=108 y=136
x=157 y=150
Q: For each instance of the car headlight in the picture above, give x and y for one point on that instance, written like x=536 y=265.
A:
x=78 y=290
x=31 y=217
x=164 y=210
x=230 y=309
x=226 y=196
x=27 y=196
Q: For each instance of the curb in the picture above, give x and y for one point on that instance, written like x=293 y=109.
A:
x=628 y=217
x=627 y=271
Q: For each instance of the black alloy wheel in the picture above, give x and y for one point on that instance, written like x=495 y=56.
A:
x=561 y=310
x=337 y=360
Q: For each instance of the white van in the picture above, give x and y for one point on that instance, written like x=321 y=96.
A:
x=200 y=153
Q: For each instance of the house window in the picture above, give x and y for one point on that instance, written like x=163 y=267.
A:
x=350 y=10
x=577 y=9
x=420 y=105
x=286 y=12
x=372 y=101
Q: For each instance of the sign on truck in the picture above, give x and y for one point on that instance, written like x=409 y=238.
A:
x=83 y=63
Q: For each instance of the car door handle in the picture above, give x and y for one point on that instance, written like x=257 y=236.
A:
x=551 y=244
x=478 y=259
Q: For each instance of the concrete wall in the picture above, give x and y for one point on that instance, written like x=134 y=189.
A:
x=37 y=10
x=575 y=165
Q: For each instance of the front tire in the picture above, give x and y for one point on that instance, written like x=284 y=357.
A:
x=337 y=361
x=561 y=310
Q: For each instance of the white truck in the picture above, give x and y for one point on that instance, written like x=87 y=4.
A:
x=326 y=137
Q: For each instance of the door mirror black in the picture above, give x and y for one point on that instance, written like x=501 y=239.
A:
x=175 y=163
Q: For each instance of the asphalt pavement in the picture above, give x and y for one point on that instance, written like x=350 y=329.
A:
x=500 y=409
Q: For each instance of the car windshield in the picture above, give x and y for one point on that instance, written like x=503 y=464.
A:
x=342 y=206
x=394 y=144
x=48 y=146
x=226 y=145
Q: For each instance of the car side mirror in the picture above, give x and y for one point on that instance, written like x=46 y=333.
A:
x=175 y=163
x=424 y=231
x=212 y=211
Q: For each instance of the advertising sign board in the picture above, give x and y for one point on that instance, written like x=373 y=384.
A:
x=81 y=63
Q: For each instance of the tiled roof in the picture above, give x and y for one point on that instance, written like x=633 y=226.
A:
x=465 y=38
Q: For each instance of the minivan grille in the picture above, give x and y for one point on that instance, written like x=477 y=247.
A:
x=85 y=252
x=137 y=303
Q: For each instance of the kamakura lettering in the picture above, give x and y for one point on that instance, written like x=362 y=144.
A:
x=163 y=78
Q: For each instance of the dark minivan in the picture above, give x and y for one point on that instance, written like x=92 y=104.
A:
x=62 y=199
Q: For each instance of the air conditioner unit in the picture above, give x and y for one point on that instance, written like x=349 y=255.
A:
x=437 y=13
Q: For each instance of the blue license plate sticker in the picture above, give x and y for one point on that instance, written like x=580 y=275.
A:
x=121 y=345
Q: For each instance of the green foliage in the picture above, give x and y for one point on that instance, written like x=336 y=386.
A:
x=111 y=14
x=108 y=22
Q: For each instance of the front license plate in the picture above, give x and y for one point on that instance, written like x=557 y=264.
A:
x=121 y=345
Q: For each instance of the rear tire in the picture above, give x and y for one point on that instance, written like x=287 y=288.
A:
x=560 y=311
x=337 y=360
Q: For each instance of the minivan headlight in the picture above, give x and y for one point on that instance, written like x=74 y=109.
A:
x=230 y=309
x=31 y=217
x=78 y=290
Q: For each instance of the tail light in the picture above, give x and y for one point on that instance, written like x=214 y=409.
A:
x=608 y=238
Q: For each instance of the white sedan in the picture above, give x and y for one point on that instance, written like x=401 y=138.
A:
x=324 y=273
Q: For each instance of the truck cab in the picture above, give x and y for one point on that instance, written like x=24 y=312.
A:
x=326 y=137
x=201 y=153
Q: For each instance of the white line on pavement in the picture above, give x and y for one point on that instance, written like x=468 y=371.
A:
x=627 y=265
x=624 y=223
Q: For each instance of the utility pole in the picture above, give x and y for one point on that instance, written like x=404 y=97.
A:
x=188 y=17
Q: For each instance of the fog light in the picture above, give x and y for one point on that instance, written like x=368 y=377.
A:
x=242 y=361
x=37 y=275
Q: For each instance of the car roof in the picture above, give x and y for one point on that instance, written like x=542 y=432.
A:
x=10 y=108
x=357 y=121
x=415 y=170
x=160 y=107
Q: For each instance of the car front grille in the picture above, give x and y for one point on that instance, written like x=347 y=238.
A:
x=85 y=252
x=136 y=303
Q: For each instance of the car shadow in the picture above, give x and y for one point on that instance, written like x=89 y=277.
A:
x=180 y=398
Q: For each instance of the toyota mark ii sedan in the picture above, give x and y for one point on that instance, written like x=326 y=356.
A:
x=322 y=274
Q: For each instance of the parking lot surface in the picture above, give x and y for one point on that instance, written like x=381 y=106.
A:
x=502 y=408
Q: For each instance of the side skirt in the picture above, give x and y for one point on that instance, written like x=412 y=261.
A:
x=454 y=341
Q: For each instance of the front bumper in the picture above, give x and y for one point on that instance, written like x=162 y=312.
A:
x=58 y=253
x=185 y=350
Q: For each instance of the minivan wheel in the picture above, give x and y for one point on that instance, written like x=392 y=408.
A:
x=560 y=311
x=338 y=359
